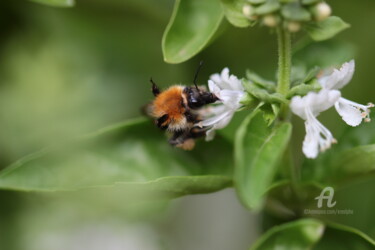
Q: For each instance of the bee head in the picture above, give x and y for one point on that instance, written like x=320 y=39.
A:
x=197 y=98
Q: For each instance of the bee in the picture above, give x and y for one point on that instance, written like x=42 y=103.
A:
x=177 y=110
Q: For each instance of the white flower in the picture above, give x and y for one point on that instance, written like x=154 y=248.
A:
x=229 y=90
x=351 y=112
x=318 y=138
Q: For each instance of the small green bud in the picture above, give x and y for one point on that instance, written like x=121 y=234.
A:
x=321 y=11
x=293 y=26
x=248 y=100
x=270 y=20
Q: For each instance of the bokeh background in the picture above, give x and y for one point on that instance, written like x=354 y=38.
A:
x=69 y=71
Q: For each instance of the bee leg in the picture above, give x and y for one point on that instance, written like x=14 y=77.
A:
x=177 y=138
x=186 y=139
x=188 y=144
x=190 y=117
x=197 y=132
x=155 y=88
x=182 y=139
x=160 y=121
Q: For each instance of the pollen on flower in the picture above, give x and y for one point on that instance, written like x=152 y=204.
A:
x=366 y=115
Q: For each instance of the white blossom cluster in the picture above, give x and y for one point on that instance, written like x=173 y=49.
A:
x=228 y=88
x=318 y=138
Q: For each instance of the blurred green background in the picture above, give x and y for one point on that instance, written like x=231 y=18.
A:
x=69 y=71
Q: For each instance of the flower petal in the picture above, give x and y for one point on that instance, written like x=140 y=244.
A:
x=226 y=81
x=349 y=114
x=210 y=134
x=215 y=119
x=318 y=138
x=339 y=77
x=229 y=90
x=215 y=110
x=235 y=83
x=224 y=122
x=216 y=78
x=297 y=105
x=317 y=102
x=322 y=100
x=353 y=113
x=310 y=146
x=231 y=98
x=213 y=88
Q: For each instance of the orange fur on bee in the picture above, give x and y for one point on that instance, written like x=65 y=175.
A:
x=170 y=102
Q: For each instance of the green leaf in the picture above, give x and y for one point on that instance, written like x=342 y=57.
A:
x=311 y=74
x=338 y=236
x=300 y=234
x=326 y=29
x=257 y=79
x=257 y=152
x=303 y=89
x=295 y=12
x=353 y=162
x=287 y=1
x=308 y=2
x=256 y=1
x=263 y=94
x=233 y=13
x=56 y=3
x=268 y=7
x=270 y=112
x=133 y=154
x=192 y=26
x=288 y=200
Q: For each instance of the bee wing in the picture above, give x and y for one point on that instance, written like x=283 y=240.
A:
x=147 y=110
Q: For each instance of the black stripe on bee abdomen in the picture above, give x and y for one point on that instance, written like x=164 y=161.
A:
x=161 y=120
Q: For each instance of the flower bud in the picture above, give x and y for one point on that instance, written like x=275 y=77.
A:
x=249 y=101
x=321 y=11
x=249 y=12
x=293 y=26
x=270 y=20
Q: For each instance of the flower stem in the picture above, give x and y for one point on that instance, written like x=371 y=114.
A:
x=285 y=60
x=283 y=86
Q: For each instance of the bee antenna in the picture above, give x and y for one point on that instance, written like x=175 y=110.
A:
x=152 y=81
x=155 y=88
x=196 y=74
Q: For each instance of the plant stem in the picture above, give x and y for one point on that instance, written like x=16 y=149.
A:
x=285 y=60
x=283 y=86
x=294 y=170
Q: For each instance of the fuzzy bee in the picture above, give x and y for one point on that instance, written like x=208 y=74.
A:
x=177 y=110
